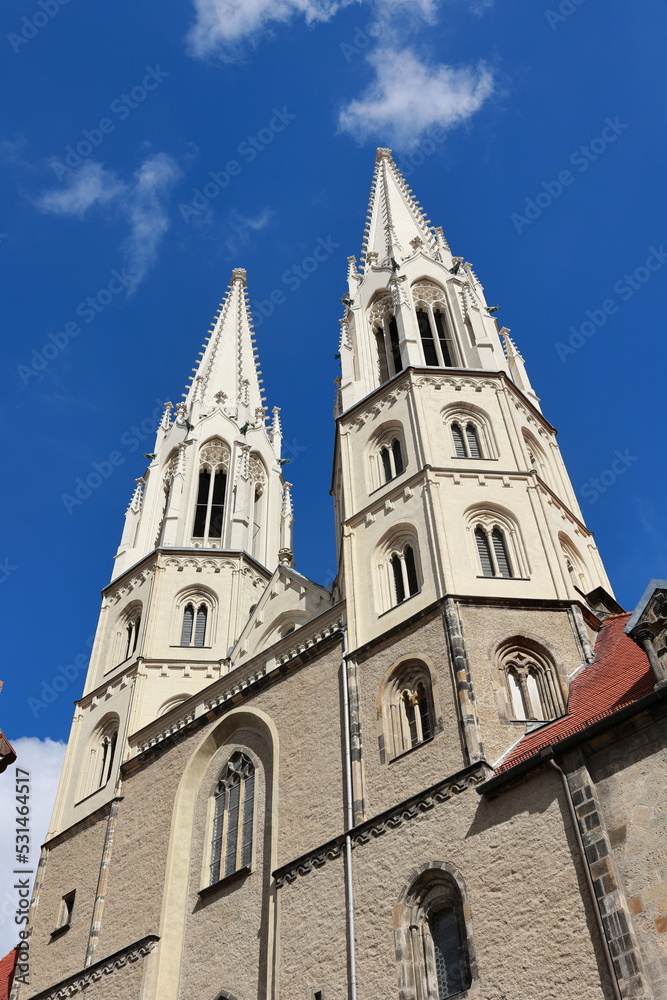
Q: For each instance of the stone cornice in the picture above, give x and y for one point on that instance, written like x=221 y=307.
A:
x=82 y=980
x=470 y=777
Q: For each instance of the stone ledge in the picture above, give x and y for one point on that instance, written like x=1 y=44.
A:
x=469 y=777
x=82 y=980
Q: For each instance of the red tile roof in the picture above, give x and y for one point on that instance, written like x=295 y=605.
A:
x=7 y=966
x=619 y=675
x=7 y=755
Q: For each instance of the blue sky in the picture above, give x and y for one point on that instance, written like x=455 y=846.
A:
x=297 y=94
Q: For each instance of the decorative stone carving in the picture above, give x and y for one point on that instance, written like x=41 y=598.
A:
x=78 y=983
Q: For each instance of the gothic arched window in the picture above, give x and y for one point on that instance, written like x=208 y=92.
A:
x=466 y=441
x=433 y=939
x=531 y=680
x=234 y=807
x=408 y=715
x=497 y=548
x=132 y=635
x=391 y=457
x=492 y=550
x=435 y=332
x=387 y=342
x=193 y=628
x=211 y=491
x=404 y=573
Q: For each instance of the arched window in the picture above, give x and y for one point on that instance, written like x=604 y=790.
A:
x=435 y=337
x=385 y=330
x=102 y=756
x=435 y=332
x=234 y=806
x=471 y=432
x=391 y=457
x=433 y=939
x=404 y=573
x=211 y=491
x=408 y=716
x=574 y=565
x=132 y=635
x=466 y=441
x=496 y=544
x=127 y=633
x=492 y=550
x=531 y=680
x=193 y=628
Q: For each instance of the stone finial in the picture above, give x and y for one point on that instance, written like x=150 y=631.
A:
x=240 y=274
x=181 y=414
x=382 y=154
x=165 y=422
x=137 y=496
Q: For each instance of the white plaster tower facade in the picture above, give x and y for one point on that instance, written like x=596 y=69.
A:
x=448 y=479
x=208 y=524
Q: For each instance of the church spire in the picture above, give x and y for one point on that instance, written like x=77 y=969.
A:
x=228 y=360
x=395 y=218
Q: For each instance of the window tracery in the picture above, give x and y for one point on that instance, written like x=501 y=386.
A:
x=211 y=491
x=408 y=715
x=531 y=682
x=433 y=938
x=233 y=815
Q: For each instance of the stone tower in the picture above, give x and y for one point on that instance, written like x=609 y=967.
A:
x=448 y=478
x=207 y=525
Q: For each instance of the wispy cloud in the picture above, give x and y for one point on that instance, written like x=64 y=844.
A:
x=147 y=213
x=222 y=25
x=409 y=96
x=243 y=226
x=43 y=758
x=142 y=202
x=90 y=185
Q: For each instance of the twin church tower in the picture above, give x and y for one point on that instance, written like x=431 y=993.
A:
x=245 y=735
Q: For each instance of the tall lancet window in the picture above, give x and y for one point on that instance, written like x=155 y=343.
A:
x=435 y=331
x=231 y=848
x=387 y=341
x=211 y=491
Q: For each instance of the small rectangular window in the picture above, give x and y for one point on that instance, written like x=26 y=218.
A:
x=66 y=908
x=317 y=995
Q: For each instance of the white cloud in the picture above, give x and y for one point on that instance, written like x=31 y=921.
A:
x=91 y=184
x=220 y=24
x=142 y=202
x=146 y=207
x=409 y=96
x=43 y=758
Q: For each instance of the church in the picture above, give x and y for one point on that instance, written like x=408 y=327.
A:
x=443 y=776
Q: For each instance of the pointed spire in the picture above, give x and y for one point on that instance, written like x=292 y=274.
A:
x=228 y=360
x=395 y=218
